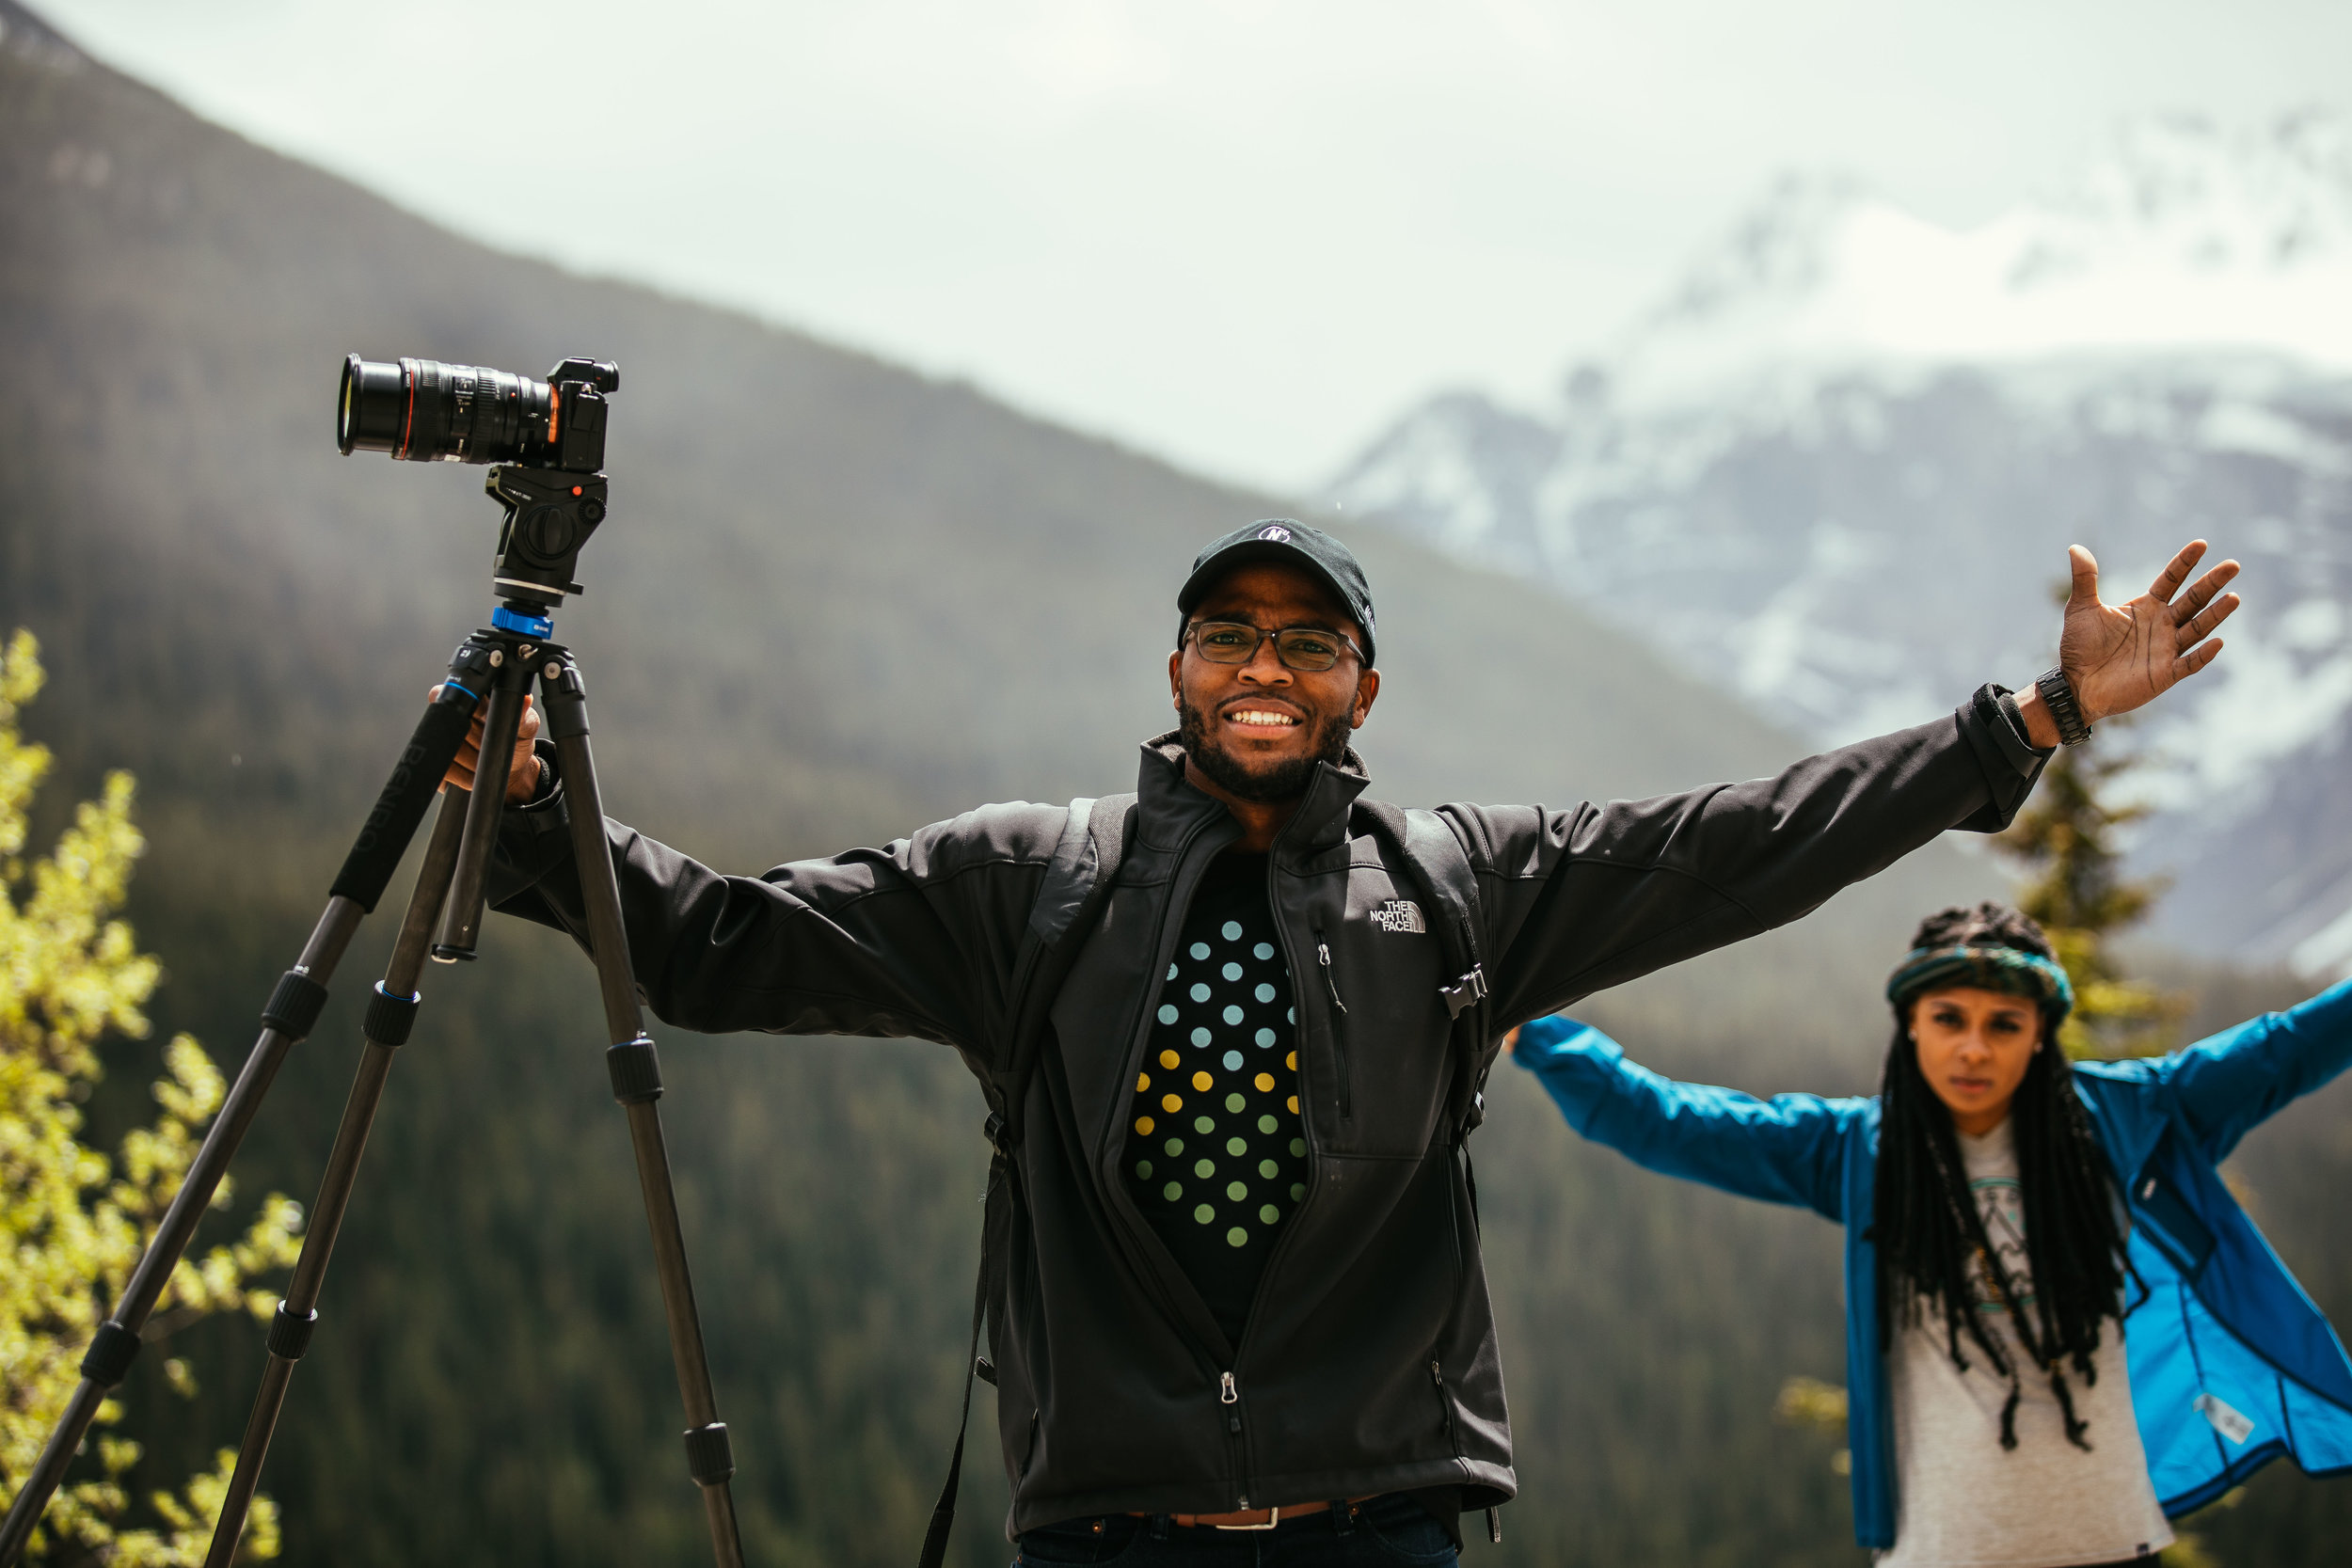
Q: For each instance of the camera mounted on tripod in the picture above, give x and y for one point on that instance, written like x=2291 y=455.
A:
x=547 y=439
x=545 y=442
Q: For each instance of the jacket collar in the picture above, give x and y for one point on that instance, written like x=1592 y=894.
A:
x=1321 y=820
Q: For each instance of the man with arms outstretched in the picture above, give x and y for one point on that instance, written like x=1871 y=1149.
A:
x=1240 y=1281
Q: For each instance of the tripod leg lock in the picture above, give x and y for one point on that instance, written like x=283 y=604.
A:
x=568 y=702
x=294 y=1007
x=635 y=1069
x=110 y=1353
x=389 y=1017
x=710 y=1457
x=290 y=1331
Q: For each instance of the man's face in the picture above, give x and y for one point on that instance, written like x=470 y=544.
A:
x=1257 y=729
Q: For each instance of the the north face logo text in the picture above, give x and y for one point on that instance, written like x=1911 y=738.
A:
x=1400 y=915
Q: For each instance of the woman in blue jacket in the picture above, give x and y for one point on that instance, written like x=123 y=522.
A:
x=2018 y=1233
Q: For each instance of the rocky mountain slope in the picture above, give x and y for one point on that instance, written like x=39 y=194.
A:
x=1834 y=471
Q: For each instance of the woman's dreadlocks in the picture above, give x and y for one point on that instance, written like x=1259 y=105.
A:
x=1927 y=1227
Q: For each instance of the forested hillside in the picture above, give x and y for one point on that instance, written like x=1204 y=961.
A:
x=835 y=600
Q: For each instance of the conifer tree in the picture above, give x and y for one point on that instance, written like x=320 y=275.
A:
x=73 y=1220
x=2077 y=892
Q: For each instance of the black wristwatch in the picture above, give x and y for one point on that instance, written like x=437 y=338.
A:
x=2058 y=695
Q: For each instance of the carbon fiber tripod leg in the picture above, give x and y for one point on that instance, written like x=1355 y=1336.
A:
x=293 y=1008
x=636 y=1073
x=391 y=1011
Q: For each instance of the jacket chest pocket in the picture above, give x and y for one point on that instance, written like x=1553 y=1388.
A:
x=1385 y=1068
x=2163 y=1208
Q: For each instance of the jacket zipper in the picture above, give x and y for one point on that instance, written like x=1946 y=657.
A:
x=1454 y=1222
x=1229 y=1390
x=1237 y=1437
x=1137 y=1035
x=1029 y=1448
x=1445 y=1407
x=1339 y=1031
x=1445 y=1403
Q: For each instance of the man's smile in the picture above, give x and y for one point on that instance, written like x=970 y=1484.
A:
x=1265 y=721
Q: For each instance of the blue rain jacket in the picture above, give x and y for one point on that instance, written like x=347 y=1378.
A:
x=2232 y=1365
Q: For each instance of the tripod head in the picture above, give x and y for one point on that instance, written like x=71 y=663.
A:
x=549 y=515
x=547 y=439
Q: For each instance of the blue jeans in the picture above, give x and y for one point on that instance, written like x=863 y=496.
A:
x=1384 y=1533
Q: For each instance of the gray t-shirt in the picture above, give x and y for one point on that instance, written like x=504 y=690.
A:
x=1963 y=1501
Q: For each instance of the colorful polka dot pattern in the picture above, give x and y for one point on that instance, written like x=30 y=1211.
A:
x=1213 y=1146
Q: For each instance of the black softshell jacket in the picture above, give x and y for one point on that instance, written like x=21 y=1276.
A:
x=1369 y=1363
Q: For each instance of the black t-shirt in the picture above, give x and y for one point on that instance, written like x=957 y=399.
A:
x=1216 y=1157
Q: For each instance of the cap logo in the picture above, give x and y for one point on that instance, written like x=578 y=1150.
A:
x=1275 y=533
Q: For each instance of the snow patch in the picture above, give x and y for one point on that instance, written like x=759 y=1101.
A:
x=2181 y=237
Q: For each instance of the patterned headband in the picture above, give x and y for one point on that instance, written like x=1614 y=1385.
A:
x=2002 y=969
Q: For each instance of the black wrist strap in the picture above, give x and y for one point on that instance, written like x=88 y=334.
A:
x=2058 y=694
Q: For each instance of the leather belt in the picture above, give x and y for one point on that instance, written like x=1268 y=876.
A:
x=1254 y=1519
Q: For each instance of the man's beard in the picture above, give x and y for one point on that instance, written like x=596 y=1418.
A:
x=1286 y=780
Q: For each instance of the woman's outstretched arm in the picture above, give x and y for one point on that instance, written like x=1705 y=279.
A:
x=1786 y=1150
x=2227 y=1084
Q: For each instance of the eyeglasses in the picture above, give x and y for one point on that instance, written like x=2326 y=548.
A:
x=1309 y=648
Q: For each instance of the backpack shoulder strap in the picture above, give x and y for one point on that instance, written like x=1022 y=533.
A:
x=1071 y=875
x=1437 y=862
x=1440 y=862
x=1444 y=866
x=1078 y=883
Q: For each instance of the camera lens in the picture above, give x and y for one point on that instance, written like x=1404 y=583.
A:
x=368 y=414
x=425 y=411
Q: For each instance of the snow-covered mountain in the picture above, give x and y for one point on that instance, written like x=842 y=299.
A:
x=2181 y=237
x=1836 y=469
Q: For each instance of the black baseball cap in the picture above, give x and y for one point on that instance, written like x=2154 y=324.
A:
x=1295 y=544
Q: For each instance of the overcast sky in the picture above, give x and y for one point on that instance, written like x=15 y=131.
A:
x=1243 y=235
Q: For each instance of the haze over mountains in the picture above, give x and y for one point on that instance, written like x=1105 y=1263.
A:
x=1837 y=466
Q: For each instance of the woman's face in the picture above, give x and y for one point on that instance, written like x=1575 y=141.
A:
x=1975 y=1046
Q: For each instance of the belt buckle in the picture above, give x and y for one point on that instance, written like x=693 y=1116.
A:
x=1274 y=1518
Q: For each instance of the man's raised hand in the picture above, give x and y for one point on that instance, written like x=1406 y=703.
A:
x=2119 y=656
x=523 y=781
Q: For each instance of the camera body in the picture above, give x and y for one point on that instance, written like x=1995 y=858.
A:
x=425 y=411
x=547 y=439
